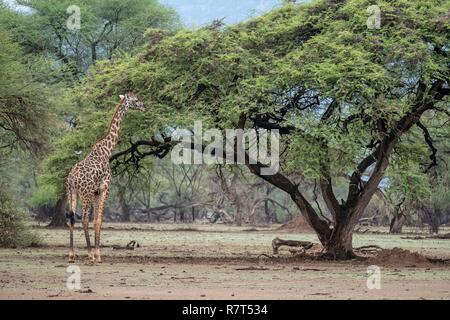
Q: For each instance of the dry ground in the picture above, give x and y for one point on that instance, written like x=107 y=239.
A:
x=212 y=262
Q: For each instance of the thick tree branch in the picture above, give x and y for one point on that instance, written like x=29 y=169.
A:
x=280 y=181
x=424 y=101
x=133 y=155
x=429 y=141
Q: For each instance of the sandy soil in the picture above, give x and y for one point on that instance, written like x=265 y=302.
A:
x=217 y=263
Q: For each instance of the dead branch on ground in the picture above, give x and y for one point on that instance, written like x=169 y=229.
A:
x=277 y=243
x=130 y=246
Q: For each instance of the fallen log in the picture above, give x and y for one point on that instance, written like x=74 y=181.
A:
x=277 y=243
x=368 y=249
x=439 y=236
x=130 y=246
x=442 y=236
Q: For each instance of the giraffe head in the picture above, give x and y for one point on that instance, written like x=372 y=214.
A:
x=130 y=100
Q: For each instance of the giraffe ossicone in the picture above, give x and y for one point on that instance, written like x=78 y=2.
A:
x=90 y=179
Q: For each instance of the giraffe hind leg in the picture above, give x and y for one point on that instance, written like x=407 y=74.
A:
x=71 y=252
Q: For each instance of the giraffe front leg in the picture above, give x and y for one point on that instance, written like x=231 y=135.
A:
x=86 y=207
x=97 y=254
x=98 y=220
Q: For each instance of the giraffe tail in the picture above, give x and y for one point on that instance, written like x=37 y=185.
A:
x=72 y=199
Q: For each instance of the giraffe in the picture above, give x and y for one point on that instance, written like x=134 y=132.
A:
x=90 y=178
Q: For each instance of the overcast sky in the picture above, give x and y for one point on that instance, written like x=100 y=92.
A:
x=199 y=12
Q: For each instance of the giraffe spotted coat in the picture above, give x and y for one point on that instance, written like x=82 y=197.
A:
x=90 y=179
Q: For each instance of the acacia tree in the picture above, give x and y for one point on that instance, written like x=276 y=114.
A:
x=105 y=27
x=25 y=118
x=342 y=96
x=22 y=100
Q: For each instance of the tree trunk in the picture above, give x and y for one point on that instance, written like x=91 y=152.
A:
x=267 y=212
x=340 y=247
x=126 y=214
x=238 y=217
x=94 y=52
x=435 y=220
x=59 y=217
x=338 y=244
x=125 y=209
x=397 y=223
x=181 y=214
x=274 y=216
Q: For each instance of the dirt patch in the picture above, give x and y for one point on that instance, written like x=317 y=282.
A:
x=298 y=224
x=399 y=258
x=220 y=262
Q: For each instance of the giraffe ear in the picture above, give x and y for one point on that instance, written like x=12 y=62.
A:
x=122 y=97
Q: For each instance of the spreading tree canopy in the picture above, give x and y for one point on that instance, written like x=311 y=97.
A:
x=105 y=26
x=24 y=104
x=343 y=96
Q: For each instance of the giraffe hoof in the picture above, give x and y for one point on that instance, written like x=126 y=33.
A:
x=97 y=256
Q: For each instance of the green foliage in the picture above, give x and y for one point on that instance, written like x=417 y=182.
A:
x=440 y=197
x=411 y=179
x=323 y=49
x=45 y=194
x=106 y=26
x=28 y=114
x=24 y=106
x=54 y=171
x=14 y=230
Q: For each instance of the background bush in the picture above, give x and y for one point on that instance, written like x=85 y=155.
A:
x=14 y=230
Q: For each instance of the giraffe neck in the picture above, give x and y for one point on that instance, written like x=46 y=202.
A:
x=109 y=142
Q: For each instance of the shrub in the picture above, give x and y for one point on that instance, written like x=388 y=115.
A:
x=14 y=231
